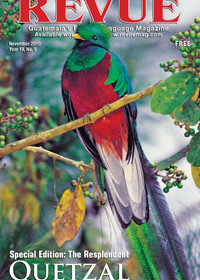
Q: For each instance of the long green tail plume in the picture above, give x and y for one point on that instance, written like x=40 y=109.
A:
x=156 y=245
x=144 y=250
x=151 y=249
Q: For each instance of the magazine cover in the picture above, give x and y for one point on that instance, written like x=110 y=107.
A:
x=99 y=140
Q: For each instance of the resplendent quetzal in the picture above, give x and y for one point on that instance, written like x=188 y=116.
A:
x=92 y=77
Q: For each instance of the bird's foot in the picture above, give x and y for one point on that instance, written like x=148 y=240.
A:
x=86 y=118
x=106 y=109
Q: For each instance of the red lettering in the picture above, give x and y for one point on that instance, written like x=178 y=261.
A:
x=25 y=10
x=94 y=10
x=97 y=16
x=124 y=11
x=61 y=11
x=159 y=8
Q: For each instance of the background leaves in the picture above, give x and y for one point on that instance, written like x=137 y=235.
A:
x=193 y=156
x=173 y=93
x=189 y=113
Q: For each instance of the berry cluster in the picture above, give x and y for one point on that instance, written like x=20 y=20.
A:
x=16 y=119
x=190 y=131
x=172 y=178
x=190 y=52
x=100 y=197
x=85 y=187
x=169 y=66
x=9 y=20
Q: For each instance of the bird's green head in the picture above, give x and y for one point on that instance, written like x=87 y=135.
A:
x=93 y=34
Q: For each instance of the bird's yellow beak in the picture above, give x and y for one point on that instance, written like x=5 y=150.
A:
x=78 y=37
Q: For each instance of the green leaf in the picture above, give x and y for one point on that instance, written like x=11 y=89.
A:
x=193 y=156
x=189 y=113
x=5 y=90
x=173 y=92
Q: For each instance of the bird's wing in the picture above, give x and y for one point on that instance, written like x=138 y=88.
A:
x=84 y=134
x=125 y=180
x=119 y=79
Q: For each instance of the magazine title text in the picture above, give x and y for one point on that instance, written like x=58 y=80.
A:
x=126 y=14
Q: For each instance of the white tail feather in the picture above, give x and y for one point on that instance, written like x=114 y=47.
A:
x=126 y=185
x=135 y=183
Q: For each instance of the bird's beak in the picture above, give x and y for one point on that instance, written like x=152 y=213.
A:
x=78 y=37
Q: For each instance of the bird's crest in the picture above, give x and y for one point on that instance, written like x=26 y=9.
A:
x=95 y=32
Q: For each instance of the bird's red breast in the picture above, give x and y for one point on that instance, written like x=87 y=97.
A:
x=89 y=93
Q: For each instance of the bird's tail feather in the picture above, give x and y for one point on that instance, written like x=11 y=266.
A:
x=163 y=224
x=147 y=254
x=172 y=259
x=125 y=188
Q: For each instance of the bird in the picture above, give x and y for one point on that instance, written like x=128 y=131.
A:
x=92 y=77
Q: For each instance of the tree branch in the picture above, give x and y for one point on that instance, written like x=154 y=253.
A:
x=87 y=119
x=172 y=159
x=77 y=164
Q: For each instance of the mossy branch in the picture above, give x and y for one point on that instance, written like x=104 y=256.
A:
x=87 y=119
x=77 y=164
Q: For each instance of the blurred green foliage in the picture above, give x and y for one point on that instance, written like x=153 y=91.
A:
x=27 y=182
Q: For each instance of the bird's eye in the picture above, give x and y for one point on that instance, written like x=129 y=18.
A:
x=94 y=37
